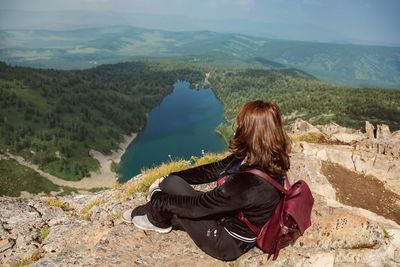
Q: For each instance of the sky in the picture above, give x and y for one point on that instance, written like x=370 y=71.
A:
x=347 y=21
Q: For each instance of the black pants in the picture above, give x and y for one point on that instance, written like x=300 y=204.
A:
x=208 y=234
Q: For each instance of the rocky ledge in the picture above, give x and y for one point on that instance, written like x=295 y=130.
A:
x=354 y=176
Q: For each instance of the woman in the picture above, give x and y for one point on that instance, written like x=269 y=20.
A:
x=210 y=218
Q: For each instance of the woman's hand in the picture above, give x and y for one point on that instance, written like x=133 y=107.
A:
x=154 y=185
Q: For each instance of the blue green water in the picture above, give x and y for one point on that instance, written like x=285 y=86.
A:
x=180 y=127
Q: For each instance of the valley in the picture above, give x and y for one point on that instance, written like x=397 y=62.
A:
x=54 y=118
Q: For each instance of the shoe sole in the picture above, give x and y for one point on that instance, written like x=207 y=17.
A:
x=159 y=230
x=125 y=220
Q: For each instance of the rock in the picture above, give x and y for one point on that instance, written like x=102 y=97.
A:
x=388 y=146
x=335 y=228
x=338 y=134
x=386 y=168
x=124 y=245
x=307 y=168
x=370 y=130
x=333 y=128
x=301 y=127
x=321 y=259
x=346 y=138
x=84 y=235
x=337 y=237
x=382 y=131
x=21 y=224
x=51 y=215
x=396 y=257
x=4 y=245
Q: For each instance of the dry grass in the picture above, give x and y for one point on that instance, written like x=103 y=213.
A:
x=85 y=212
x=117 y=185
x=310 y=138
x=210 y=157
x=150 y=175
x=36 y=255
x=57 y=203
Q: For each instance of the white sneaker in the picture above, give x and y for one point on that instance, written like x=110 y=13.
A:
x=127 y=216
x=142 y=222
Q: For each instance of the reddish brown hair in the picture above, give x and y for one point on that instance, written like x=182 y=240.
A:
x=260 y=137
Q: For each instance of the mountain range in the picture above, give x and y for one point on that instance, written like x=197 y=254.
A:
x=346 y=64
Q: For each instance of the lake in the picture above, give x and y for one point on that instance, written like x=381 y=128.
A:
x=180 y=127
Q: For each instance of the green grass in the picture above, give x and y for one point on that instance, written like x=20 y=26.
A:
x=226 y=131
x=97 y=189
x=114 y=166
x=54 y=168
x=15 y=178
x=44 y=232
x=387 y=235
x=67 y=191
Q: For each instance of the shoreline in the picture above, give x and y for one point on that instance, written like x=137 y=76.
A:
x=103 y=177
x=104 y=174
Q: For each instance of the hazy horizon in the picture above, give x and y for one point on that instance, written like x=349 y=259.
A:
x=366 y=22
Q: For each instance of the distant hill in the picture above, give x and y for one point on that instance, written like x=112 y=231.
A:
x=355 y=65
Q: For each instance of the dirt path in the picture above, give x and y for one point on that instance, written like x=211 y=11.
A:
x=363 y=191
x=104 y=177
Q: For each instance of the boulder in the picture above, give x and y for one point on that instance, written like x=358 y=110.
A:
x=370 y=130
x=301 y=127
x=384 y=167
x=346 y=138
x=396 y=134
x=387 y=146
x=383 y=131
x=333 y=128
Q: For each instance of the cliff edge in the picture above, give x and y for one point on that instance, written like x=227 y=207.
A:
x=354 y=176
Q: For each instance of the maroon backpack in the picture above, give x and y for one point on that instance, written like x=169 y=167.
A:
x=292 y=216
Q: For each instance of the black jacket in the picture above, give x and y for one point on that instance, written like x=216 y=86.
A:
x=244 y=192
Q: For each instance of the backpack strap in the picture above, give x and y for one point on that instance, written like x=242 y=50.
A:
x=277 y=185
x=266 y=177
x=252 y=227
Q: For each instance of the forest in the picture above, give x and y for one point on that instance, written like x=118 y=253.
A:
x=53 y=118
x=302 y=96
